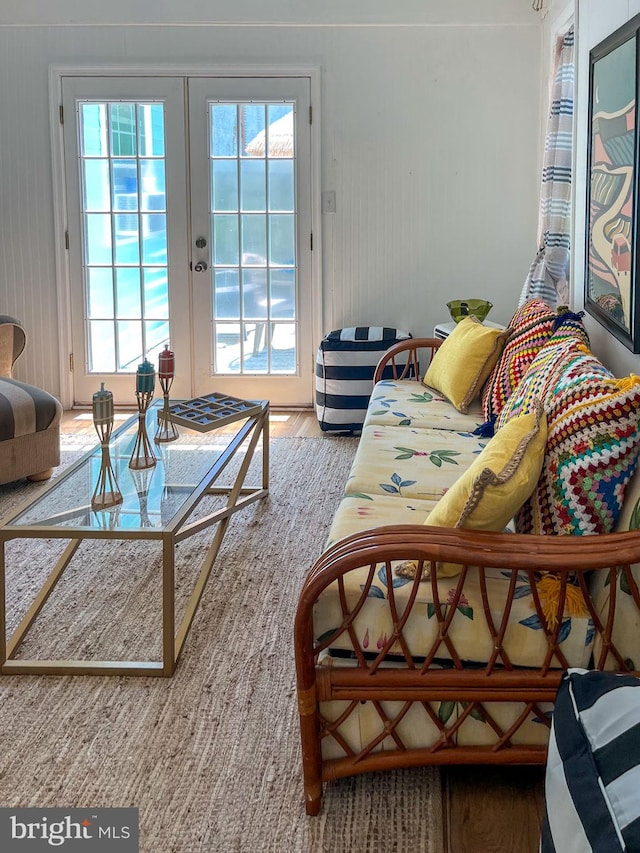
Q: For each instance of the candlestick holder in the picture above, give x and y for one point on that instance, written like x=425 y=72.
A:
x=106 y=493
x=167 y=430
x=142 y=456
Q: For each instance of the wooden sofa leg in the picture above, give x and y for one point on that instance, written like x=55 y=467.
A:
x=311 y=758
x=312 y=803
x=42 y=475
x=312 y=789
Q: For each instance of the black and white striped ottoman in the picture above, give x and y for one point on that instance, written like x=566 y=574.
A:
x=345 y=362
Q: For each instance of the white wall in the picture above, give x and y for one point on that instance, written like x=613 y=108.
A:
x=430 y=138
x=270 y=12
x=596 y=20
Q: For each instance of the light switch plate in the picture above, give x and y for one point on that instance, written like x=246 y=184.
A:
x=329 y=201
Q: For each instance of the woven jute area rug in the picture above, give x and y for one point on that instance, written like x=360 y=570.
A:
x=211 y=756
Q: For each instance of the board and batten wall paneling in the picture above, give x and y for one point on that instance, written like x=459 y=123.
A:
x=430 y=139
x=435 y=167
x=27 y=264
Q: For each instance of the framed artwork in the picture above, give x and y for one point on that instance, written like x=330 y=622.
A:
x=612 y=269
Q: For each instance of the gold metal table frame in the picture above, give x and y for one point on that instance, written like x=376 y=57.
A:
x=75 y=520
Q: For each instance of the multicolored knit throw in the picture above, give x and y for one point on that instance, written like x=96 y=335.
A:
x=592 y=451
x=531 y=327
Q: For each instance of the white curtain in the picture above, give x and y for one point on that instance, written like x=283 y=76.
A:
x=548 y=277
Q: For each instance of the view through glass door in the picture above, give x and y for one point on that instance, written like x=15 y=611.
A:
x=251 y=232
x=189 y=225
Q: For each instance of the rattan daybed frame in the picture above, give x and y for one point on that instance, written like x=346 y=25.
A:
x=382 y=678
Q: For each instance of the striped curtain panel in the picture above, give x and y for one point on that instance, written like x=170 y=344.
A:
x=548 y=277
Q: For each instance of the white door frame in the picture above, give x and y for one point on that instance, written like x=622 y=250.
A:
x=63 y=282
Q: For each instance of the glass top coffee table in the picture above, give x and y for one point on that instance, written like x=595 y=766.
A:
x=198 y=482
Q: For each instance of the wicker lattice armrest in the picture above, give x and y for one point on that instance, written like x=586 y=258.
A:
x=409 y=366
x=384 y=673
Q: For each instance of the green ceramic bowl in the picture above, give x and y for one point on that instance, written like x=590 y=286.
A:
x=461 y=308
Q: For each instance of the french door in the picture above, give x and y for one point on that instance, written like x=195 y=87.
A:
x=189 y=225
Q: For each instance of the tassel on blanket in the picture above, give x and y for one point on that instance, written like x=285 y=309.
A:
x=565 y=317
x=627 y=382
x=408 y=571
x=549 y=592
x=487 y=429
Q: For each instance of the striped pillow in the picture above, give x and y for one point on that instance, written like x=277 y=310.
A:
x=25 y=409
x=593 y=767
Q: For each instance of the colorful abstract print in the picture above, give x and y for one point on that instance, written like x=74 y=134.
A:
x=613 y=143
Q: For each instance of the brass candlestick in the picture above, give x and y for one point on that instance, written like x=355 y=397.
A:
x=142 y=455
x=167 y=430
x=106 y=493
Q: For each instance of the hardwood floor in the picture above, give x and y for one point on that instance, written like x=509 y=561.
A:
x=493 y=809
x=486 y=809
x=281 y=422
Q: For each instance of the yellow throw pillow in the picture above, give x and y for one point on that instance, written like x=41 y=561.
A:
x=464 y=360
x=496 y=484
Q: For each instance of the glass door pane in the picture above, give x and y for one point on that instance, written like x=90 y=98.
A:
x=252 y=169
x=123 y=186
x=122 y=156
x=254 y=213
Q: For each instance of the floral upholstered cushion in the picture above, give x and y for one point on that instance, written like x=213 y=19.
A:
x=531 y=327
x=463 y=361
x=410 y=463
x=524 y=642
x=359 y=512
x=405 y=402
